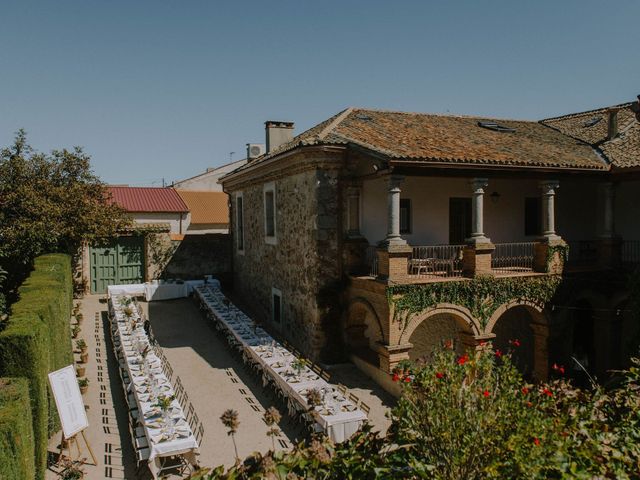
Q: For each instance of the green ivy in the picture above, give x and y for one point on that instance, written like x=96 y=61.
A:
x=481 y=295
x=562 y=250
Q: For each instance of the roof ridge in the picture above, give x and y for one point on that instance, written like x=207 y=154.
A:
x=594 y=110
x=440 y=114
x=341 y=116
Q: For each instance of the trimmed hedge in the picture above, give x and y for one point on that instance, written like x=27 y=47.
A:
x=37 y=340
x=16 y=430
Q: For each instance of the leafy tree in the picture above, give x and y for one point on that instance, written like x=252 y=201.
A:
x=49 y=203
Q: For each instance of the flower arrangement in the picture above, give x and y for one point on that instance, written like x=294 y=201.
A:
x=128 y=311
x=164 y=402
x=299 y=364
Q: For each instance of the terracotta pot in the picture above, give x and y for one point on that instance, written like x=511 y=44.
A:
x=74 y=335
x=84 y=357
x=80 y=371
x=84 y=389
x=83 y=350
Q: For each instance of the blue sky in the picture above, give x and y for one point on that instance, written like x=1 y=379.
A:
x=163 y=89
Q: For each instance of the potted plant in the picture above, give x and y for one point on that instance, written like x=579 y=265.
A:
x=84 y=385
x=75 y=330
x=79 y=318
x=76 y=309
x=81 y=370
x=84 y=357
x=71 y=471
x=81 y=345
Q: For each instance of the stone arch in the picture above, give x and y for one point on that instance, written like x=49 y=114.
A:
x=527 y=322
x=462 y=314
x=362 y=324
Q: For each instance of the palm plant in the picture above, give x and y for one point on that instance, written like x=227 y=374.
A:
x=230 y=420
x=271 y=418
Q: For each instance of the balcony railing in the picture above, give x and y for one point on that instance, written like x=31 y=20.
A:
x=371 y=260
x=630 y=251
x=436 y=261
x=513 y=257
x=583 y=252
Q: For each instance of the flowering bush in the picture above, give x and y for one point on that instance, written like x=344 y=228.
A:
x=473 y=416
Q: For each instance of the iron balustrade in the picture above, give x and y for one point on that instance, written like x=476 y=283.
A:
x=513 y=257
x=436 y=261
x=630 y=251
x=371 y=260
x=583 y=252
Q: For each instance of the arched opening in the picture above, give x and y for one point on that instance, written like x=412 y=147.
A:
x=515 y=324
x=362 y=330
x=581 y=358
x=433 y=331
x=625 y=336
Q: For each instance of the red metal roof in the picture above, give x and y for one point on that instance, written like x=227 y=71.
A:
x=147 y=199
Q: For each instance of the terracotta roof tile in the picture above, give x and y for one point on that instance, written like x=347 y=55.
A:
x=592 y=127
x=147 y=199
x=428 y=138
x=206 y=207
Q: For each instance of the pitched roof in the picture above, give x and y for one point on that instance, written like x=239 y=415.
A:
x=432 y=139
x=592 y=127
x=206 y=207
x=147 y=199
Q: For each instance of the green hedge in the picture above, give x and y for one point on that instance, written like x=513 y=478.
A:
x=16 y=430
x=37 y=340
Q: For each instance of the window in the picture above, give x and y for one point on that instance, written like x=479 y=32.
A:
x=459 y=220
x=496 y=127
x=405 y=215
x=239 y=223
x=276 y=306
x=532 y=216
x=270 y=213
x=354 y=214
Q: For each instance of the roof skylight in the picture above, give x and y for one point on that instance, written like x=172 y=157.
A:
x=496 y=127
x=591 y=122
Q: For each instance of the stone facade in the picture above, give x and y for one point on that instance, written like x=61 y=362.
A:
x=198 y=255
x=302 y=263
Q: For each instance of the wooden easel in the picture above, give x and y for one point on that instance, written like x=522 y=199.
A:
x=74 y=439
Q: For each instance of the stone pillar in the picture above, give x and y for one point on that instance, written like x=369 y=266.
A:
x=540 y=351
x=390 y=355
x=393 y=211
x=609 y=244
x=477 y=211
x=549 y=188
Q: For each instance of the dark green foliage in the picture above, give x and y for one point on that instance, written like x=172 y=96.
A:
x=16 y=430
x=482 y=295
x=37 y=340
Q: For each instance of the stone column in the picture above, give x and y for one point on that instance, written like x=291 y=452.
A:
x=609 y=244
x=477 y=211
x=608 y=224
x=549 y=188
x=393 y=212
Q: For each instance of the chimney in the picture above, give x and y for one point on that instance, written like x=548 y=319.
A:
x=612 y=126
x=277 y=133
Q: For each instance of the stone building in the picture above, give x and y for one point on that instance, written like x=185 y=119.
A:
x=376 y=235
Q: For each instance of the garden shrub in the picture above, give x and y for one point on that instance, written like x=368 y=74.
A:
x=16 y=430
x=37 y=340
x=475 y=417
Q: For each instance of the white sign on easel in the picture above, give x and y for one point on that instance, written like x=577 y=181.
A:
x=66 y=392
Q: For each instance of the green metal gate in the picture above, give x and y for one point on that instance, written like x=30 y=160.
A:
x=121 y=262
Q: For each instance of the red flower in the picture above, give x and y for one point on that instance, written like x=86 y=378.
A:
x=395 y=377
x=529 y=404
x=525 y=390
x=407 y=379
x=498 y=353
x=486 y=394
x=547 y=392
x=439 y=375
x=482 y=343
x=536 y=441
x=462 y=359
x=515 y=342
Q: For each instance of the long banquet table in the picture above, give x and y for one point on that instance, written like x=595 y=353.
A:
x=337 y=416
x=167 y=434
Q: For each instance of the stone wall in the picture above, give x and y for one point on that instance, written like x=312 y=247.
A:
x=303 y=263
x=199 y=255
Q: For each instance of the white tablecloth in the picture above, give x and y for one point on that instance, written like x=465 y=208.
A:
x=337 y=415
x=165 y=291
x=134 y=289
x=149 y=415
